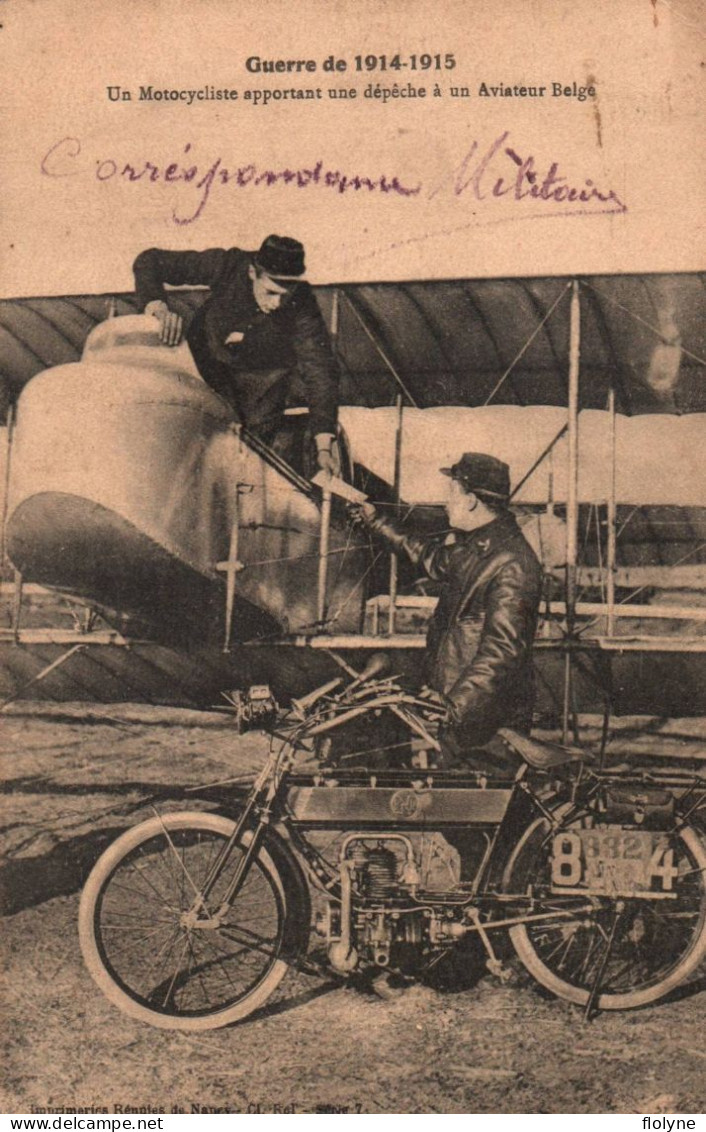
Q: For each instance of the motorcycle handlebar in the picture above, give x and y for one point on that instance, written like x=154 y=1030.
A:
x=302 y=705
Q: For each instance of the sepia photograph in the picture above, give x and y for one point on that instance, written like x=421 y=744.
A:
x=353 y=563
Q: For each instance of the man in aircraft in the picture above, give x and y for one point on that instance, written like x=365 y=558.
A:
x=479 y=642
x=259 y=326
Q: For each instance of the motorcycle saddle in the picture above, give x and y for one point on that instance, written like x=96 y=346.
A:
x=538 y=753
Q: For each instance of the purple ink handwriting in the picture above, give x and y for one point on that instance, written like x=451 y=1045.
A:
x=499 y=171
x=492 y=173
x=62 y=160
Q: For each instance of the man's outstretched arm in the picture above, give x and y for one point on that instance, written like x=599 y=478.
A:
x=431 y=554
x=320 y=373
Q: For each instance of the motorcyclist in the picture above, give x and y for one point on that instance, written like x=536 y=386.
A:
x=479 y=641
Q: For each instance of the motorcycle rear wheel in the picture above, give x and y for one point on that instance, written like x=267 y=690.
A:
x=158 y=968
x=657 y=944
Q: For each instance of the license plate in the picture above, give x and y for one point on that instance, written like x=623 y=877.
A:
x=612 y=861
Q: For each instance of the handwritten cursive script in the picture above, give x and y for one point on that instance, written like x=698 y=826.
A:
x=64 y=160
x=494 y=173
x=499 y=171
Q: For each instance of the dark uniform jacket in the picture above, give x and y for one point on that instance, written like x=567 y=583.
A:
x=254 y=374
x=479 y=642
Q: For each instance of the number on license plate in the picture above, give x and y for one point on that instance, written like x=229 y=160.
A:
x=612 y=861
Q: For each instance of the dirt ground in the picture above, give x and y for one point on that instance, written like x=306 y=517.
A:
x=75 y=776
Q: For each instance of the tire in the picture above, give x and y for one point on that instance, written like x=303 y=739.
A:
x=175 y=976
x=658 y=943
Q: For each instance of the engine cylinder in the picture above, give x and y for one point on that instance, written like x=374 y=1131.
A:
x=377 y=870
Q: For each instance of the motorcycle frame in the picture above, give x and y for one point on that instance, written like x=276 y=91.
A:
x=392 y=803
x=559 y=798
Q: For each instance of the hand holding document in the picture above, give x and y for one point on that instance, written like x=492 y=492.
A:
x=338 y=487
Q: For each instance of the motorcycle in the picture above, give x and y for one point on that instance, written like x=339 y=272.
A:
x=191 y=920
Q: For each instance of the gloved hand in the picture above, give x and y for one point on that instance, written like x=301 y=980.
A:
x=437 y=703
x=432 y=696
x=326 y=461
x=326 y=454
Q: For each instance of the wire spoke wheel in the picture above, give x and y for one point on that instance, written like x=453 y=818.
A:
x=636 y=947
x=163 y=954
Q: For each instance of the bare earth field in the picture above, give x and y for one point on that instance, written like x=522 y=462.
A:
x=75 y=776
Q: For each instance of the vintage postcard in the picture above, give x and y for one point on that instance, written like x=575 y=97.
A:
x=352 y=557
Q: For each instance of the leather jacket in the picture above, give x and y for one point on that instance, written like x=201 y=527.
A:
x=479 y=641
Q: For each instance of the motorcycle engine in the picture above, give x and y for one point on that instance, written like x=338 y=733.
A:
x=375 y=871
x=382 y=918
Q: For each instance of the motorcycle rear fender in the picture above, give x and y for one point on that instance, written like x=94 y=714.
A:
x=521 y=812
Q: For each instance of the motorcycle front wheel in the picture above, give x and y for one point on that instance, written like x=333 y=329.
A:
x=159 y=962
x=634 y=949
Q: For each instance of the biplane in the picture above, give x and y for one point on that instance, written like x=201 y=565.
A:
x=154 y=550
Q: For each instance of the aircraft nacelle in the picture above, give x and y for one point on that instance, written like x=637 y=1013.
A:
x=133 y=488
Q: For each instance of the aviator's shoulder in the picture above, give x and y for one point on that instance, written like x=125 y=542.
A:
x=528 y=562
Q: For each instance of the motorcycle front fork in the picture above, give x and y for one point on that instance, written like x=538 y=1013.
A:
x=259 y=807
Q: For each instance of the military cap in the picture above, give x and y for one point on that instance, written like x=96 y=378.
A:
x=281 y=257
x=479 y=472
